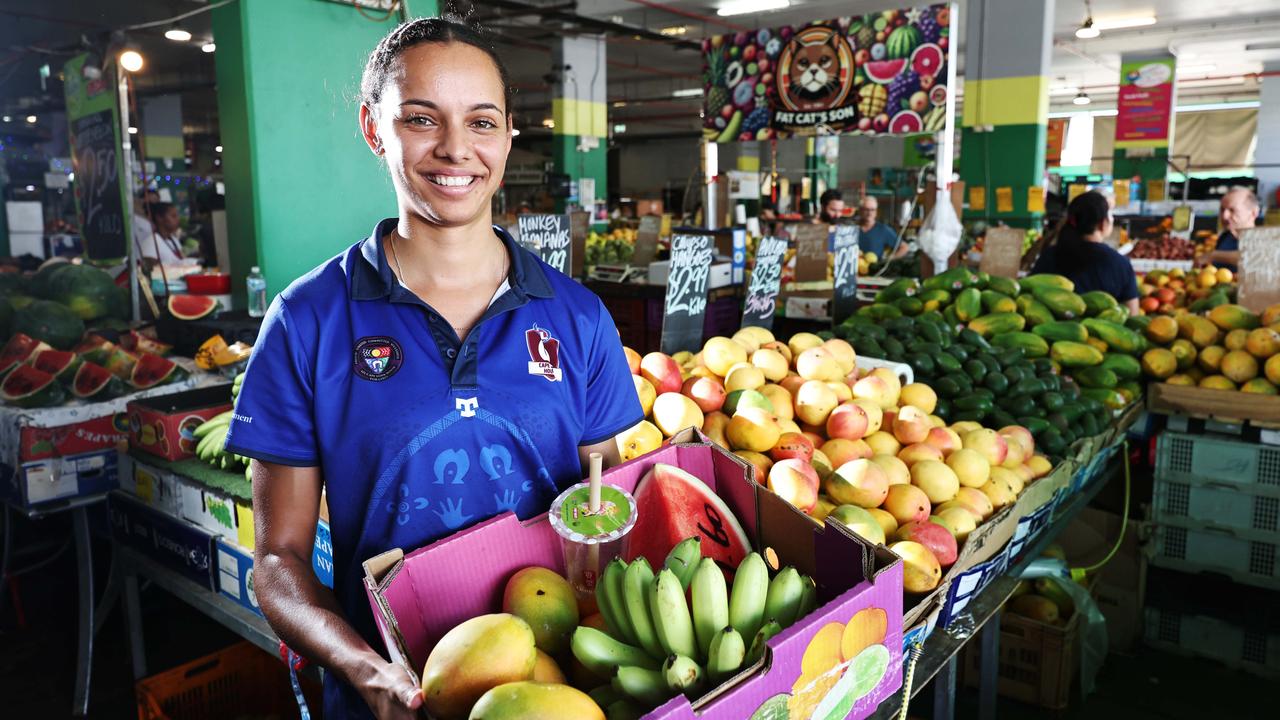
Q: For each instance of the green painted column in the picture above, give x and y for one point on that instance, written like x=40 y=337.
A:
x=822 y=165
x=301 y=185
x=1006 y=104
x=579 y=143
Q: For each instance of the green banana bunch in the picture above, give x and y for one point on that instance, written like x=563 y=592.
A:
x=746 y=601
x=235 y=386
x=610 y=599
x=683 y=675
x=710 y=597
x=683 y=559
x=646 y=685
x=762 y=638
x=671 y=618
x=783 y=600
x=637 y=588
x=727 y=652
x=623 y=710
x=212 y=424
x=602 y=654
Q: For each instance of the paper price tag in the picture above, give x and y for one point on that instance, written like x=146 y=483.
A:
x=1004 y=199
x=977 y=198
x=685 y=307
x=1035 y=199
x=1259 y=268
x=766 y=279
x=1002 y=252
x=646 y=241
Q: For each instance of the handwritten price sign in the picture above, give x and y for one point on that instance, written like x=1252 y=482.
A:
x=98 y=186
x=846 y=273
x=766 y=280
x=549 y=237
x=686 y=302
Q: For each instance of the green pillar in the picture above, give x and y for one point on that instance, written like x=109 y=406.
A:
x=822 y=165
x=579 y=143
x=1145 y=155
x=301 y=184
x=1006 y=104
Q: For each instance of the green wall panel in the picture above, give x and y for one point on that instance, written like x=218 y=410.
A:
x=593 y=164
x=301 y=184
x=1007 y=156
x=1154 y=167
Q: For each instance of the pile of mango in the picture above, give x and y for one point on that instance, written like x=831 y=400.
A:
x=1164 y=292
x=948 y=325
x=1228 y=348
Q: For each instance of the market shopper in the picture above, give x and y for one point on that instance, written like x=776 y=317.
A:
x=874 y=236
x=1238 y=211
x=432 y=375
x=830 y=207
x=1080 y=254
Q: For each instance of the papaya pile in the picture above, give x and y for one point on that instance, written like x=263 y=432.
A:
x=1227 y=348
x=1033 y=352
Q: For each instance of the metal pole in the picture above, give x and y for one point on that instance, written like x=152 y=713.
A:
x=84 y=653
x=126 y=150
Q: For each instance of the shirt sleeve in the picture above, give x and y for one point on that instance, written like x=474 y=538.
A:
x=611 y=402
x=274 y=417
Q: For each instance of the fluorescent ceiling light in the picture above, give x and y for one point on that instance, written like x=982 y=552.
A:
x=1196 y=68
x=674 y=30
x=1087 y=31
x=688 y=92
x=549 y=124
x=131 y=60
x=742 y=7
x=619 y=103
x=208 y=47
x=1124 y=22
x=1081 y=99
x=1111 y=112
x=1265 y=45
x=177 y=34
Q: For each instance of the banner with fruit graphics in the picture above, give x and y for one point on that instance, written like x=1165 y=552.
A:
x=884 y=73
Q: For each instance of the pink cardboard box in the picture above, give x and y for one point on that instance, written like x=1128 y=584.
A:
x=413 y=611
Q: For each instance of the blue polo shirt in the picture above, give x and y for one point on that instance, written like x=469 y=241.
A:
x=419 y=435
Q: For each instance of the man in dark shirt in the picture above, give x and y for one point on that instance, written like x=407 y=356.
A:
x=1238 y=212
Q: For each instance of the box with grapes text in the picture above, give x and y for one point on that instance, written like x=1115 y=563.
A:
x=418 y=596
x=164 y=426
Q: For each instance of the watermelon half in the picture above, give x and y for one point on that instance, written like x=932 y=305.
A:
x=28 y=387
x=18 y=350
x=61 y=364
x=94 y=382
x=136 y=342
x=672 y=505
x=152 y=370
x=191 y=307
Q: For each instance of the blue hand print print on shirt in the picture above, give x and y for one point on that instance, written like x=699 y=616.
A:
x=507 y=501
x=452 y=465
x=452 y=514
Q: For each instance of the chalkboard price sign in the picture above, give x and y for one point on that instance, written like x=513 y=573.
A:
x=686 y=302
x=766 y=280
x=96 y=164
x=1002 y=252
x=548 y=236
x=845 y=300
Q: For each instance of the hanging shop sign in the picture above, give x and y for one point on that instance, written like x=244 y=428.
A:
x=1144 y=107
x=93 y=123
x=1055 y=137
x=884 y=73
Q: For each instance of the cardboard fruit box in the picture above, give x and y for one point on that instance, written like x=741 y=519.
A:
x=164 y=426
x=419 y=596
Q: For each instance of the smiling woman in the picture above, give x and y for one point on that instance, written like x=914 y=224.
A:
x=431 y=376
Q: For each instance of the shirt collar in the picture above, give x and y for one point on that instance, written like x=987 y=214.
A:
x=371 y=276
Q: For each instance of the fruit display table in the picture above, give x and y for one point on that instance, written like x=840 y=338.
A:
x=637 y=310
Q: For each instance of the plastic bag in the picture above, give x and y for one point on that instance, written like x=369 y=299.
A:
x=1093 y=626
x=940 y=235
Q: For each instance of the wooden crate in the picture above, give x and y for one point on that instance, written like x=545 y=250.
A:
x=1205 y=403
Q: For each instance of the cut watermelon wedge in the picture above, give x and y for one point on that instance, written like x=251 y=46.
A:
x=28 y=387
x=136 y=342
x=192 y=307
x=62 y=364
x=153 y=370
x=18 y=350
x=672 y=505
x=94 y=382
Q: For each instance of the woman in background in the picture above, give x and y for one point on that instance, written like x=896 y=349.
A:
x=1080 y=254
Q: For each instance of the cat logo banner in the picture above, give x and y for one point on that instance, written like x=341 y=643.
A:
x=884 y=73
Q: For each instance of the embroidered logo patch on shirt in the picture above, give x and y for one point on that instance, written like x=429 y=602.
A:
x=544 y=353
x=377 y=358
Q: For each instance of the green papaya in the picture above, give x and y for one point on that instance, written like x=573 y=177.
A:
x=968 y=304
x=1062 y=330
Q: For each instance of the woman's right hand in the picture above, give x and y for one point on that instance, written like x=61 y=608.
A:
x=391 y=693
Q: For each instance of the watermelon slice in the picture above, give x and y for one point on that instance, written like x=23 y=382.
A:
x=673 y=505
x=94 y=382
x=18 y=350
x=62 y=364
x=136 y=342
x=884 y=71
x=94 y=348
x=191 y=307
x=153 y=370
x=28 y=387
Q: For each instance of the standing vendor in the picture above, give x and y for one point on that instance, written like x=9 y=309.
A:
x=431 y=376
x=874 y=236
x=1080 y=254
x=830 y=207
x=1238 y=211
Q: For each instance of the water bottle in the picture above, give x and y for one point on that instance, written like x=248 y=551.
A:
x=257 y=293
